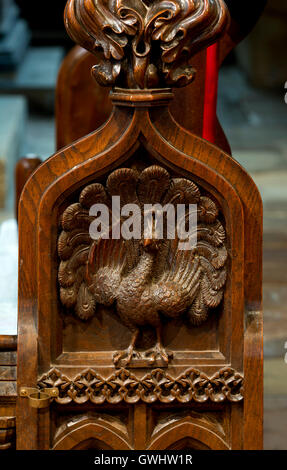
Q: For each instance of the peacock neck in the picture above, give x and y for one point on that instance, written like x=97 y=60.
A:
x=146 y=265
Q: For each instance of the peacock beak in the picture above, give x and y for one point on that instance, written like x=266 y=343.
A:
x=147 y=242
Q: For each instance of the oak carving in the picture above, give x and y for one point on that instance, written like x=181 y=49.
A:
x=145 y=282
x=146 y=278
x=157 y=385
x=145 y=44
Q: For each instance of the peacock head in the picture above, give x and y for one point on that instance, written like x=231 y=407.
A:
x=151 y=245
x=152 y=239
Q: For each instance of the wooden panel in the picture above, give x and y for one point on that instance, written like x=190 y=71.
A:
x=7 y=373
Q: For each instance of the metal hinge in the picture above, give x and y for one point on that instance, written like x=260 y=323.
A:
x=39 y=398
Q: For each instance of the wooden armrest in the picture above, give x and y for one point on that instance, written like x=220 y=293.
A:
x=8 y=343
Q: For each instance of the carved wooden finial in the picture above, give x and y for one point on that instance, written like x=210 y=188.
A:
x=145 y=43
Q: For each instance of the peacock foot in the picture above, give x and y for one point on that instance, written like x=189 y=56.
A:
x=123 y=358
x=158 y=354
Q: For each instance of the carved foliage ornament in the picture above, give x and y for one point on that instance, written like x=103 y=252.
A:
x=157 y=385
x=142 y=279
x=145 y=43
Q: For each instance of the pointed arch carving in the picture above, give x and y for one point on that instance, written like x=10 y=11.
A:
x=91 y=433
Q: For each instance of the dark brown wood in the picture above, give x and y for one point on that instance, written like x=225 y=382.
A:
x=199 y=396
x=7 y=432
x=8 y=395
x=81 y=104
x=8 y=343
x=23 y=171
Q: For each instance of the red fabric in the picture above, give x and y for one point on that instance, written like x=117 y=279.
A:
x=210 y=97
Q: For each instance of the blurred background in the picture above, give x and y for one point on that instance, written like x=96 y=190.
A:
x=252 y=108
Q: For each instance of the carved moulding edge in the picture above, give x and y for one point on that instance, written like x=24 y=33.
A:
x=157 y=385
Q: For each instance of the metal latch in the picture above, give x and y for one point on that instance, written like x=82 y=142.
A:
x=39 y=398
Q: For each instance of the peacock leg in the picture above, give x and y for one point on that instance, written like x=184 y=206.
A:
x=158 y=352
x=127 y=354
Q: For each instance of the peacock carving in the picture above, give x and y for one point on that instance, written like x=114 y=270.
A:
x=148 y=278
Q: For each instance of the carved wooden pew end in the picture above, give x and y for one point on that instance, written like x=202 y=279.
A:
x=140 y=342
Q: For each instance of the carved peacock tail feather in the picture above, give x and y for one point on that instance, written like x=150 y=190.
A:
x=182 y=191
x=153 y=182
x=73 y=249
x=123 y=183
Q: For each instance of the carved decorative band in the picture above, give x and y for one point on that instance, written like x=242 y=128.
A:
x=157 y=385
